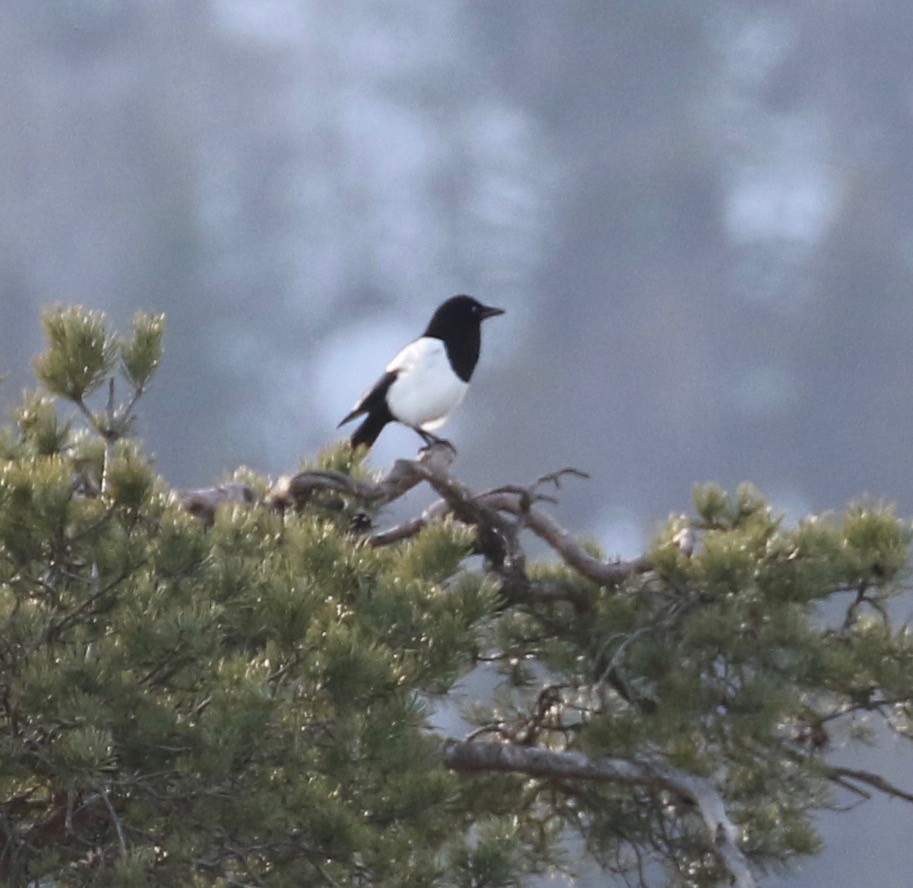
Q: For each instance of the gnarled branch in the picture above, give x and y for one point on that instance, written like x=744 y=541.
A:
x=500 y=515
x=723 y=834
x=294 y=492
x=490 y=507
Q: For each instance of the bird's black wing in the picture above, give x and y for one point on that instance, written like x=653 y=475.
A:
x=374 y=399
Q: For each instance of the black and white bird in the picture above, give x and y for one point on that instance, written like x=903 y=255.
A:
x=428 y=379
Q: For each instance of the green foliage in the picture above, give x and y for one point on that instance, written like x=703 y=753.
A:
x=39 y=426
x=248 y=702
x=141 y=356
x=493 y=859
x=81 y=352
x=81 y=355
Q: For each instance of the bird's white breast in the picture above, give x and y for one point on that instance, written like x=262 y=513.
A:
x=426 y=390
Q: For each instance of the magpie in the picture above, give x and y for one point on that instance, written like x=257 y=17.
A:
x=427 y=379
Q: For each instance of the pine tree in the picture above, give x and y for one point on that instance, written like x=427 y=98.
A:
x=234 y=686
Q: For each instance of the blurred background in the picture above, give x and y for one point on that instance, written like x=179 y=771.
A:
x=699 y=216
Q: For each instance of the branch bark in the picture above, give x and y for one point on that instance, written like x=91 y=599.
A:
x=723 y=834
x=295 y=491
x=203 y=501
x=490 y=507
x=500 y=515
x=604 y=573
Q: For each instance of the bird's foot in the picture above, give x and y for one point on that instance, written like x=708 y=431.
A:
x=432 y=440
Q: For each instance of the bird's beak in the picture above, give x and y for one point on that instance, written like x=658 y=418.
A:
x=489 y=311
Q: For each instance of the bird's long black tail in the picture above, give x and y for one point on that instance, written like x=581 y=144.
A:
x=368 y=431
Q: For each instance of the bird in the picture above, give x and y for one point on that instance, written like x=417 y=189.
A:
x=427 y=379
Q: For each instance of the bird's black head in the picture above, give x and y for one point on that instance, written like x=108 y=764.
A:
x=458 y=323
x=459 y=315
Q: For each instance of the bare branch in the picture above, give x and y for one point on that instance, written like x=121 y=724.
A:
x=876 y=781
x=118 y=826
x=407 y=529
x=402 y=477
x=500 y=515
x=605 y=573
x=533 y=761
x=485 y=508
x=556 y=476
x=864 y=795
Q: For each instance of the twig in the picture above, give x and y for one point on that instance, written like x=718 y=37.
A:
x=68 y=820
x=864 y=796
x=110 y=437
x=876 y=781
x=118 y=826
x=556 y=476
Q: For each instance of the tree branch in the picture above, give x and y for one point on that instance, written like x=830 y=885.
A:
x=487 y=506
x=841 y=776
x=405 y=474
x=723 y=834
x=499 y=514
x=604 y=573
x=203 y=502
